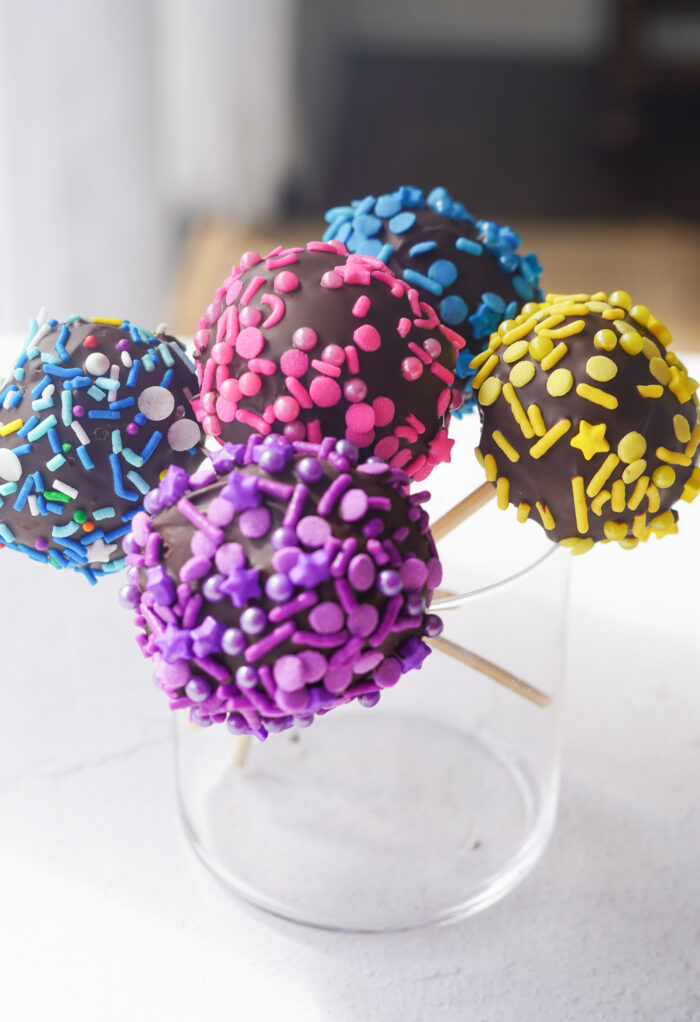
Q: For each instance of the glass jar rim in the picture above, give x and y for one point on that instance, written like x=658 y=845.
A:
x=453 y=600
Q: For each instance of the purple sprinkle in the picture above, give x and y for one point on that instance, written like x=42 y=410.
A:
x=353 y=505
x=206 y=638
x=388 y=672
x=283 y=537
x=140 y=528
x=267 y=681
x=190 y=615
x=130 y=545
x=310 y=471
x=253 y=620
x=198 y=689
x=299 y=603
x=161 y=585
x=337 y=678
x=326 y=618
x=374 y=527
x=391 y=612
x=223 y=459
x=362 y=573
x=236 y=724
x=242 y=491
x=345 y=595
x=254 y=523
x=296 y=505
x=313 y=531
x=283 y=560
x=229 y=556
x=175 y=675
x=414 y=573
x=363 y=619
x=195 y=568
x=369 y=700
x=220 y=512
x=376 y=549
x=403 y=624
x=373 y=468
x=400 y=534
x=293 y=701
x=152 y=551
x=199 y=520
x=434 y=573
x=233 y=641
x=341 y=562
x=302 y=638
x=204 y=476
x=379 y=503
x=367 y=661
x=412 y=653
x=172 y=486
x=333 y=494
x=269 y=641
x=347 y=653
x=274 y=488
x=314 y=664
x=202 y=546
x=289 y=673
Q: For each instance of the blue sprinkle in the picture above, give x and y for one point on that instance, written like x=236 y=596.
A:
x=73 y=549
x=150 y=447
x=402 y=222
x=42 y=429
x=38 y=482
x=55 y=463
x=48 y=358
x=420 y=280
x=61 y=342
x=116 y=441
x=182 y=355
x=331 y=231
x=493 y=301
x=165 y=354
x=364 y=205
x=133 y=459
x=7 y=488
x=6 y=534
x=387 y=206
x=66 y=407
x=92 y=537
x=522 y=288
x=99 y=413
x=453 y=310
x=344 y=232
x=55 y=442
x=85 y=458
x=54 y=507
x=469 y=246
x=103 y=512
x=74 y=318
x=78 y=383
x=368 y=246
x=63 y=531
x=133 y=372
x=140 y=419
x=386 y=252
x=15 y=400
x=43 y=382
x=508 y=261
x=117 y=479
x=117 y=533
x=52 y=323
x=126 y=402
x=106 y=383
x=41 y=504
x=165 y=382
x=511 y=310
x=113 y=566
x=367 y=225
x=337 y=213
x=508 y=235
x=21 y=500
x=96 y=393
x=5 y=391
x=443 y=272
x=18 y=373
x=149 y=361
x=128 y=515
x=22 y=449
x=27 y=427
x=138 y=481
x=36 y=555
x=43 y=405
x=91 y=575
x=422 y=246
x=58 y=560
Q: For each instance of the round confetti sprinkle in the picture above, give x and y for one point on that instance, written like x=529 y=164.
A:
x=560 y=382
x=183 y=435
x=156 y=403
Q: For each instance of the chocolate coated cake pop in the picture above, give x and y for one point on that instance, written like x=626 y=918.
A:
x=91 y=415
x=280 y=581
x=310 y=343
x=590 y=422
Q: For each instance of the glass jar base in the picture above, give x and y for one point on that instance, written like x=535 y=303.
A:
x=367 y=821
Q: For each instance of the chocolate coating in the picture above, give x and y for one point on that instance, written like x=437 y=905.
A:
x=93 y=413
x=313 y=343
x=468 y=268
x=281 y=581
x=589 y=415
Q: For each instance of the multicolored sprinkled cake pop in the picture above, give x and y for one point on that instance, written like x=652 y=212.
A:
x=590 y=422
x=470 y=269
x=280 y=581
x=311 y=342
x=92 y=414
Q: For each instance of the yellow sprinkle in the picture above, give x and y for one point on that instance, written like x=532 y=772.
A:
x=575 y=308
x=680 y=385
x=11 y=427
x=580 y=509
x=639 y=525
x=597 y=304
x=599 y=296
x=530 y=308
x=590 y=439
x=507 y=448
x=502 y=492
x=618 y=500
x=515 y=351
x=602 y=475
x=486 y=370
x=549 y=322
x=545 y=515
x=629 y=543
x=621 y=298
x=489 y=390
x=596 y=396
x=107 y=321
x=568 y=330
x=479 y=456
x=638 y=492
x=664 y=476
x=605 y=340
x=614 y=314
x=659 y=370
x=597 y=503
x=560 y=382
x=632 y=447
x=650 y=349
x=161 y=475
x=550 y=438
x=505 y=326
x=522 y=373
x=534 y=414
x=523 y=511
x=653 y=498
x=640 y=313
x=540 y=347
x=490 y=468
x=650 y=390
x=518 y=411
x=634 y=471
x=673 y=360
x=582 y=547
x=681 y=427
x=495 y=342
x=663 y=522
x=673 y=457
x=518 y=332
x=557 y=297
x=692 y=486
x=659 y=330
x=601 y=368
x=692 y=445
x=631 y=342
x=479 y=359
x=556 y=355
x=615 y=530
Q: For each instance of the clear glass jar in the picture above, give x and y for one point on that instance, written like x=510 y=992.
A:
x=431 y=805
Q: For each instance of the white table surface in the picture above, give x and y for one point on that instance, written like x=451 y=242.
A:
x=105 y=914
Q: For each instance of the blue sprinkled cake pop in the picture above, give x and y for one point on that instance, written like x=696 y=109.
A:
x=468 y=269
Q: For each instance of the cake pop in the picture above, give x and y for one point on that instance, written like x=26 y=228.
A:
x=470 y=269
x=91 y=415
x=280 y=581
x=590 y=421
x=311 y=342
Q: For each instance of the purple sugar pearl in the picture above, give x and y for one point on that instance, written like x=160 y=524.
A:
x=246 y=677
x=433 y=625
x=198 y=689
x=210 y=588
x=283 y=537
x=253 y=620
x=310 y=471
x=236 y=724
x=233 y=641
x=389 y=582
x=369 y=700
x=129 y=596
x=130 y=544
x=271 y=459
x=414 y=604
x=326 y=618
x=288 y=672
x=347 y=449
x=278 y=588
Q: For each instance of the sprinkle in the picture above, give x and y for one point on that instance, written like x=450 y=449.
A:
x=63 y=488
x=518 y=411
x=651 y=390
x=619 y=497
x=596 y=396
x=11 y=427
x=545 y=515
x=490 y=468
x=664 y=476
x=653 y=498
x=534 y=414
x=638 y=492
x=599 y=501
x=485 y=371
x=523 y=511
x=556 y=355
x=673 y=457
x=580 y=509
x=502 y=492
x=602 y=475
x=507 y=448
x=554 y=434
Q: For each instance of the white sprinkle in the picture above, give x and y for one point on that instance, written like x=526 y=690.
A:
x=41 y=332
x=127 y=359
x=48 y=391
x=33 y=506
x=80 y=433
x=162 y=328
x=113 y=375
x=97 y=363
x=183 y=434
x=8 y=399
x=156 y=403
x=65 y=488
x=10 y=465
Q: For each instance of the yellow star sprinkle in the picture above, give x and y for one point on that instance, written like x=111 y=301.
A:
x=590 y=439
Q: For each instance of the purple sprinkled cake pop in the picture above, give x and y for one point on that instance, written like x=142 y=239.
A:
x=269 y=590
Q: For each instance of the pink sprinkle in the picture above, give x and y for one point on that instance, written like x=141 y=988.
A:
x=231 y=390
x=269 y=414
x=298 y=391
x=442 y=374
x=362 y=439
x=455 y=339
x=355 y=389
x=305 y=338
x=400 y=459
x=384 y=410
x=415 y=423
x=420 y=352
x=212 y=313
x=256 y=422
x=324 y=392
x=286 y=281
x=211 y=425
x=294 y=362
x=432 y=346
x=234 y=291
x=334 y=354
x=285 y=258
x=332 y=280
x=387 y=447
x=250 y=316
x=360 y=418
x=361 y=307
x=223 y=324
x=416 y=466
x=249 y=259
x=222 y=374
x=411 y=368
x=250 y=384
x=264 y=366
x=274 y=252
x=278 y=308
x=250 y=342
x=430 y=317
x=325 y=368
x=367 y=337
x=209 y=370
x=313 y=431
x=222 y=353
x=325 y=246
x=414 y=301
x=404 y=327
x=406 y=433
x=255 y=285
x=226 y=410
x=286 y=409
x=443 y=402
x=209 y=401
x=201 y=339
x=295 y=430
x=353 y=359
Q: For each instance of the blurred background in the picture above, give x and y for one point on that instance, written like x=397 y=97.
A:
x=145 y=144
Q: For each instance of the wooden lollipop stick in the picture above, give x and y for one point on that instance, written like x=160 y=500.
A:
x=460 y=512
x=478 y=663
x=241 y=747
